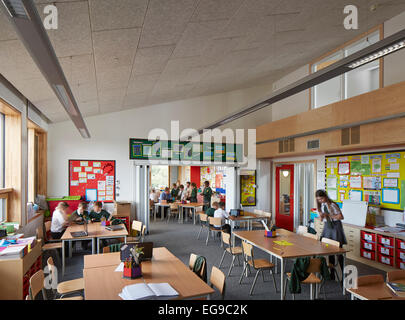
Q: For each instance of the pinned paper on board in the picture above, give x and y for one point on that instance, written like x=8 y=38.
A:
x=91 y=176
x=394 y=166
x=373 y=183
x=82 y=174
x=88 y=169
x=390 y=183
x=101 y=193
x=332 y=193
x=356 y=195
x=331 y=182
x=74 y=183
x=109 y=180
x=356 y=182
x=82 y=180
x=109 y=198
x=101 y=185
x=97 y=164
x=110 y=193
x=97 y=170
x=91 y=194
x=344 y=168
x=372 y=197
x=365 y=159
x=110 y=188
x=376 y=165
x=393 y=175
x=390 y=195
x=77 y=169
x=84 y=163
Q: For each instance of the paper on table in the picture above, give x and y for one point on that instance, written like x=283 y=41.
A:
x=120 y=267
x=163 y=289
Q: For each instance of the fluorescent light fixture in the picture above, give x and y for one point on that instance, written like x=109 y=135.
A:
x=27 y=23
x=15 y=8
x=378 y=55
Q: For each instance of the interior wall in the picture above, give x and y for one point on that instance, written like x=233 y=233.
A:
x=110 y=133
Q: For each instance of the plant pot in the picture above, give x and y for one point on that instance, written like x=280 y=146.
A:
x=134 y=272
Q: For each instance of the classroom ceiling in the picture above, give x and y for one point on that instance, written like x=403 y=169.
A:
x=123 y=54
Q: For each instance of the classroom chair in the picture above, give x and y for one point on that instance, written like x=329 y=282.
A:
x=191 y=262
x=302 y=230
x=211 y=229
x=49 y=246
x=228 y=248
x=65 y=287
x=203 y=223
x=116 y=247
x=137 y=226
x=313 y=269
x=395 y=275
x=37 y=285
x=310 y=235
x=257 y=264
x=217 y=281
x=332 y=267
x=173 y=210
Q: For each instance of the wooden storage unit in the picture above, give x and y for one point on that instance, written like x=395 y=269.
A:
x=15 y=274
x=381 y=250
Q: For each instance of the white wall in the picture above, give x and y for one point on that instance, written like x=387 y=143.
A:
x=394 y=66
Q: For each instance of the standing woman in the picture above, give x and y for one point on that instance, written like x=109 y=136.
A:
x=333 y=228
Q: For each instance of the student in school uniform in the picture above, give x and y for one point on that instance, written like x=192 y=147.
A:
x=98 y=212
x=333 y=229
x=193 y=194
x=175 y=191
x=182 y=194
x=221 y=213
x=207 y=194
x=60 y=220
x=165 y=196
x=210 y=211
x=188 y=190
x=81 y=213
x=154 y=196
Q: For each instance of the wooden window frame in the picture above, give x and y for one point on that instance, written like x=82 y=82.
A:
x=379 y=28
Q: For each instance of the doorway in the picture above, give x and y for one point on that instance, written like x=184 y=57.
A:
x=285 y=196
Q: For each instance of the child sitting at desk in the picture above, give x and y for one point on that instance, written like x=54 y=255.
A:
x=98 y=212
x=211 y=211
x=59 y=220
x=81 y=212
x=221 y=213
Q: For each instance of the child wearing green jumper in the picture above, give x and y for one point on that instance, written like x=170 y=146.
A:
x=210 y=211
x=98 y=212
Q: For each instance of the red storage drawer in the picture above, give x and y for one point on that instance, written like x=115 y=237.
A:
x=367 y=254
x=400 y=244
x=368 y=245
x=368 y=236
x=401 y=255
x=385 y=259
x=400 y=264
x=387 y=241
x=388 y=251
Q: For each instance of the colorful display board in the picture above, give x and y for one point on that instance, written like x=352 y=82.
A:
x=93 y=179
x=248 y=188
x=143 y=149
x=378 y=178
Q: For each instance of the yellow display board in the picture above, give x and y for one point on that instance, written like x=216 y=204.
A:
x=378 y=178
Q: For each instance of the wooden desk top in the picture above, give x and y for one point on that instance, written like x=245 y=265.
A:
x=101 y=260
x=95 y=230
x=191 y=204
x=302 y=246
x=376 y=291
x=103 y=283
x=247 y=216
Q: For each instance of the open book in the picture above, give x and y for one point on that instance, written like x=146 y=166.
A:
x=397 y=288
x=142 y=291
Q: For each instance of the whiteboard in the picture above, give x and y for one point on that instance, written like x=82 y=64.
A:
x=355 y=212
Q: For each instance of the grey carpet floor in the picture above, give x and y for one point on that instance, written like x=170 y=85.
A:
x=181 y=240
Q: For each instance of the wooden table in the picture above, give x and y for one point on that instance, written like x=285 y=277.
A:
x=246 y=217
x=103 y=283
x=192 y=205
x=95 y=232
x=375 y=291
x=302 y=247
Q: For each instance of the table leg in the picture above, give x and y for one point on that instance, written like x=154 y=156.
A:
x=93 y=245
x=98 y=245
x=63 y=258
x=343 y=274
x=125 y=239
x=232 y=234
x=282 y=279
x=154 y=213
x=194 y=210
x=70 y=249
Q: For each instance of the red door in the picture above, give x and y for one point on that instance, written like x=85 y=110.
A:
x=285 y=197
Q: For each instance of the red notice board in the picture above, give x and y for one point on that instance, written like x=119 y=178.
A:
x=93 y=179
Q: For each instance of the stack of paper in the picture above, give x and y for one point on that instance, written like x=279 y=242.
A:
x=13 y=251
x=142 y=291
